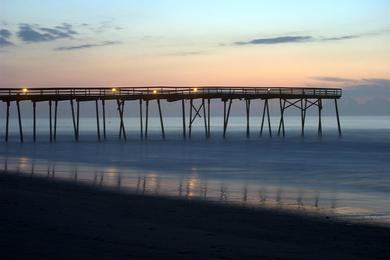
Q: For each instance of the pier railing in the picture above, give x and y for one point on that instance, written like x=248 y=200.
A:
x=139 y=91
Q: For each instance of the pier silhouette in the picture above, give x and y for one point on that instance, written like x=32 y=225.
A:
x=288 y=97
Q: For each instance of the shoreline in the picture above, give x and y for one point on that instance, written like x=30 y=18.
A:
x=53 y=219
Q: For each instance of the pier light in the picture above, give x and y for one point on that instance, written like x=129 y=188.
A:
x=25 y=90
x=154 y=91
x=195 y=89
x=268 y=89
x=113 y=89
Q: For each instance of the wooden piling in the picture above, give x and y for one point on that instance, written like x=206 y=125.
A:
x=120 y=119
x=190 y=122
x=161 y=119
x=141 y=120
x=304 y=117
x=226 y=121
x=146 y=119
x=184 y=118
x=34 y=121
x=204 y=117
x=97 y=119
x=337 y=116
x=121 y=106
x=50 y=122
x=7 y=122
x=104 y=119
x=73 y=120
x=262 y=119
x=20 y=122
x=77 y=120
x=247 y=106
x=55 y=119
x=269 y=119
x=224 y=116
x=208 y=118
x=319 y=117
x=281 y=122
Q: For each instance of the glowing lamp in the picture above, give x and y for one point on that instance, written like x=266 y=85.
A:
x=269 y=90
x=113 y=89
x=24 y=90
x=195 y=89
x=154 y=91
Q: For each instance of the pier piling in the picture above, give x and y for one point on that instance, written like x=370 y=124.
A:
x=226 y=117
x=20 y=122
x=55 y=119
x=34 y=121
x=97 y=119
x=73 y=120
x=204 y=118
x=184 y=118
x=304 y=117
x=208 y=118
x=247 y=107
x=104 y=119
x=50 y=123
x=77 y=120
x=319 y=117
x=281 y=122
x=266 y=110
x=140 y=120
x=161 y=119
x=146 y=119
x=7 y=122
x=337 y=116
x=190 y=122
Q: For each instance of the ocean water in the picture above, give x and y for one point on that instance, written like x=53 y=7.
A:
x=348 y=176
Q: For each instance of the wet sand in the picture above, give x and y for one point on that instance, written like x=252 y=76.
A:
x=47 y=219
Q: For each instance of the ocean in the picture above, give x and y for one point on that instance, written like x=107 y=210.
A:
x=347 y=176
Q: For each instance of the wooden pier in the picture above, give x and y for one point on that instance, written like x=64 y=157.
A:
x=298 y=98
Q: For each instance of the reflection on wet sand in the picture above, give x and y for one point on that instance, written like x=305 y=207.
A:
x=187 y=187
x=193 y=185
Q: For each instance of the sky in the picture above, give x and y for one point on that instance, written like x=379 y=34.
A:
x=195 y=42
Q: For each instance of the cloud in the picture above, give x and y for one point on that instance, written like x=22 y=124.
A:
x=277 y=40
x=377 y=81
x=4 y=38
x=345 y=37
x=102 y=27
x=86 y=46
x=348 y=82
x=32 y=33
x=5 y=33
x=305 y=38
x=367 y=97
x=334 y=79
x=370 y=88
x=5 y=42
x=188 y=53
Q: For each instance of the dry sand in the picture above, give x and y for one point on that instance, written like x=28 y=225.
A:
x=45 y=219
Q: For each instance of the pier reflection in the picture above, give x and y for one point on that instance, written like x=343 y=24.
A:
x=186 y=186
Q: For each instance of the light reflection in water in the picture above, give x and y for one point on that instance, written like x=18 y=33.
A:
x=151 y=182
x=192 y=183
x=188 y=187
x=23 y=163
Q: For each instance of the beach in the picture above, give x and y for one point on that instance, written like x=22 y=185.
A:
x=199 y=129
x=49 y=219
